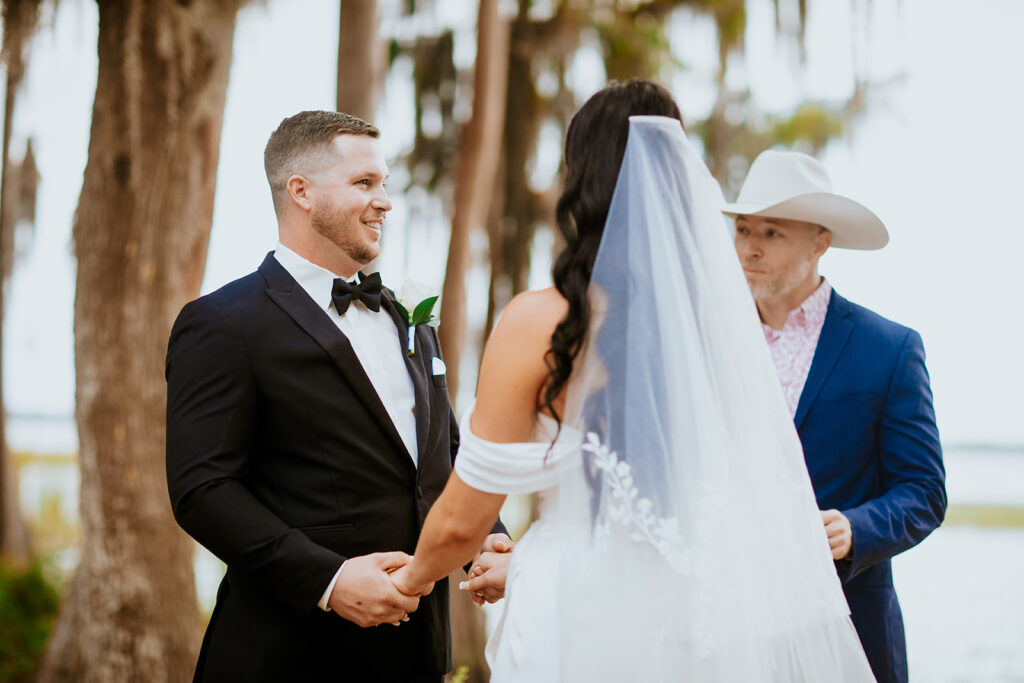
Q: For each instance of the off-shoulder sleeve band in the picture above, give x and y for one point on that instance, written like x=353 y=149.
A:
x=513 y=467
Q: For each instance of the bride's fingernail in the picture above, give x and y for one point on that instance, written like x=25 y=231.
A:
x=463 y=585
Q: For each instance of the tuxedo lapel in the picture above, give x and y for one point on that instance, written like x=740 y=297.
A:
x=294 y=301
x=416 y=372
x=834 y=335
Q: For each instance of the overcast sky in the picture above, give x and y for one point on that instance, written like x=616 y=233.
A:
x=937 y=157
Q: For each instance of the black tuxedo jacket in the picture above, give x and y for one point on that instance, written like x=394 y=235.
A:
x=282 y=460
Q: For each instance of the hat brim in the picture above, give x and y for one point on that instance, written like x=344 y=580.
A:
x=853 y=226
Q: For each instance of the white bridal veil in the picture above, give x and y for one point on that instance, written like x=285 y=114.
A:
x=702 y=555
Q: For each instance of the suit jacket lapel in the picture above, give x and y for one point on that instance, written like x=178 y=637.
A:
x=416 y=372
x=294 y=301
x=834 y=335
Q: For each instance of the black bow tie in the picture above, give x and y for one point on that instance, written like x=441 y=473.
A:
x=368 y=291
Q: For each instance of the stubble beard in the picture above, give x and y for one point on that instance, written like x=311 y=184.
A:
x=783 y=282
x=334 y=226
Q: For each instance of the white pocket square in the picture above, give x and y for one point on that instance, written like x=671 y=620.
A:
x=437 y=366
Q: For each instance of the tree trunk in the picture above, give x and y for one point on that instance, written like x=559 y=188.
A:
x=15 y=543
x=477 y=176
x=520 y=149
x=360 y=59
x=20 y=19
x=523 y=209
x=495 y=245
x=140 y=240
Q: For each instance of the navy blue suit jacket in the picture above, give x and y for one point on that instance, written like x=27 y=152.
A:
x=867 y=425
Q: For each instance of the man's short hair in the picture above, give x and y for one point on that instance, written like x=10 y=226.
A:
x=303 y=143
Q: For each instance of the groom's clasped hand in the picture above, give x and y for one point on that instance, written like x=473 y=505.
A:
x=365 y=596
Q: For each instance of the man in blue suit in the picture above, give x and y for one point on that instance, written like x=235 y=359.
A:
x=855 y=382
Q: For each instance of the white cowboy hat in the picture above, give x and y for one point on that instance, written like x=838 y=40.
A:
x=796 y=186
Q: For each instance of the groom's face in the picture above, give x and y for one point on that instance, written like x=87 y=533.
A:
x=349 y=200
x=778 y=255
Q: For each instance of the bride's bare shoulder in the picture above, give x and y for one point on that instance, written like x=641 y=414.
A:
x=522 y=335
x=524 y=330
x=513 y=368
x=533 y=313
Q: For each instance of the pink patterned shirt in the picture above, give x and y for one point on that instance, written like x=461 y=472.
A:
x=792 y=347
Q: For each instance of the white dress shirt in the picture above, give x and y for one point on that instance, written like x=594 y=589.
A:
x=377 y=346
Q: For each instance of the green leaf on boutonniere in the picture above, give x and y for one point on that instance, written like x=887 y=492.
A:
x=423 y=310
x=404 y=311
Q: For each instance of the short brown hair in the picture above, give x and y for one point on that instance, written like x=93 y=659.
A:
x=302 y=143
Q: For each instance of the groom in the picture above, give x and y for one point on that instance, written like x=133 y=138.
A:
x=305 y=446
x=855 y=382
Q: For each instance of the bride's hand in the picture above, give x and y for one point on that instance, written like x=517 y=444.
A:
x=490 y=568
x=487 y=578
x=400 y=579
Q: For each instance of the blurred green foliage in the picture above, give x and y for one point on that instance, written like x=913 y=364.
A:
x=28 y=608
x=633 y=39
x=639 y=45
x=813 y=123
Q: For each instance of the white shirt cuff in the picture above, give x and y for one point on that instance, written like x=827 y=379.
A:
x=326 y=597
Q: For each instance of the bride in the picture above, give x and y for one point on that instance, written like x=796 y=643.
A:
x=678 y=536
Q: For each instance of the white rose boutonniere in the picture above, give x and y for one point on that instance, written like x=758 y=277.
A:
x=416 y=302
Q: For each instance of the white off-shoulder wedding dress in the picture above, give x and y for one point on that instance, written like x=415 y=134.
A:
x=564 y=620
x=678 y=537
x=521 y=647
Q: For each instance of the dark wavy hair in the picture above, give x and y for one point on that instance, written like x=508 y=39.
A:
x=594 y=146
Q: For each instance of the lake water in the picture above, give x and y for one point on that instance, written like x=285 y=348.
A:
x=961 y=589
x=963 y=605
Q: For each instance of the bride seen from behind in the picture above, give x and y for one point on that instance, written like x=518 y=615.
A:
x=678 y=536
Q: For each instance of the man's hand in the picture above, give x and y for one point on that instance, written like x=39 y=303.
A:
x=840 y=535
x=365 y=595
x=490 y=568
x=495 y=543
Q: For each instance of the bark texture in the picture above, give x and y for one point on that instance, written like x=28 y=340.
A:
x=476 y=179
x=20 y=17
x=140 y=240
x=552 y=41
x=361 y=59
x=15 y=542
